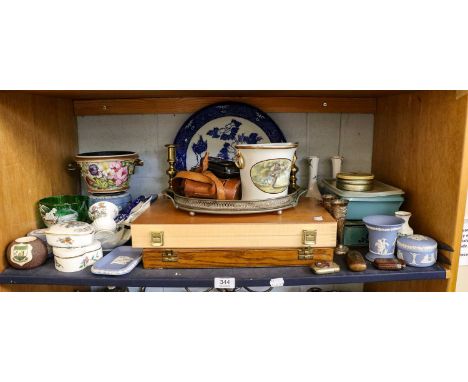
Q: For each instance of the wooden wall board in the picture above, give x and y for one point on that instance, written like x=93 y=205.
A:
x=192 y=104
x=116 y=94
x=419 y=146
x=38 y=138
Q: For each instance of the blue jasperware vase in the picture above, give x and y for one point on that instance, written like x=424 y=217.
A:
x=383 y=233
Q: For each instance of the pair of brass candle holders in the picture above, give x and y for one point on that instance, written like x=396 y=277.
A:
x=338 y=208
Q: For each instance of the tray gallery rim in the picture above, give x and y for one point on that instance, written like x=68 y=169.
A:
x=234 y=207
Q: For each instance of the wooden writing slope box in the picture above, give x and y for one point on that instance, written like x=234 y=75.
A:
x=173 y=239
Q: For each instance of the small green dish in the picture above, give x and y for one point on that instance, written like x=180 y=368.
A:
x=63 y=208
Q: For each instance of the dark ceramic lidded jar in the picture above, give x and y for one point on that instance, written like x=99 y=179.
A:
x=107 y=171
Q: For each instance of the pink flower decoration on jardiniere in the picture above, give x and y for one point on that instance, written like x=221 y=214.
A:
x=121 y=176
x=116 y=166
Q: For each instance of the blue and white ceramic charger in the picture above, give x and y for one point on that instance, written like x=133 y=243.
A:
x=217 y=128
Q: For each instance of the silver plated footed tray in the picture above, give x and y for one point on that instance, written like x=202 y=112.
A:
x=235 y=207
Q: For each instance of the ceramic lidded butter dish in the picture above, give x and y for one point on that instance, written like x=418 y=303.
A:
x=70 y=235
x=382 y=199
x=76 y=259
x=417 y=250
x=383 y=232
x=26 y=253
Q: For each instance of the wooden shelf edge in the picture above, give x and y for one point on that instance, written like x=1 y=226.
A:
x=192 y=104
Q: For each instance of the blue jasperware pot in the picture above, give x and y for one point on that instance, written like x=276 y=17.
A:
x=383 y=233
x=417 y=250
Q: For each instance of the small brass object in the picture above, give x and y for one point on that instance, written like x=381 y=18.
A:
x=171 y=158
x=306 y=253
x=169 y=256
x=157 y=239
x=309 y=237
x=293 y=176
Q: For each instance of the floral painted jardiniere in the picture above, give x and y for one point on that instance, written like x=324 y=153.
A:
x=107 y=171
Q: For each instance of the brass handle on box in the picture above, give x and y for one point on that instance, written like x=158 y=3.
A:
x=138 y=162
x=239 y=160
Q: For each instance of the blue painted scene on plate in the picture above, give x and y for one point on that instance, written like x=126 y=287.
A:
x=218 y=128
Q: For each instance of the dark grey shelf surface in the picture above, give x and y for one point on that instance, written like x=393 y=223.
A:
x=140 y=277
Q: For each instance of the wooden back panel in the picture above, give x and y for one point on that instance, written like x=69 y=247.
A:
x=38 y=137
x=419 y=146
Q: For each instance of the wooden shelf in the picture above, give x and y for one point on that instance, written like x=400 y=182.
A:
x=140 y=277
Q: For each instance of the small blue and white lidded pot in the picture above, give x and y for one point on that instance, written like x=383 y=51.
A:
x=417 y=250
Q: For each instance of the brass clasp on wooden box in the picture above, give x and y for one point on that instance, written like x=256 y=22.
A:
x=306 y=253
x=309 y=237
x=168 y=256
x=157 y=239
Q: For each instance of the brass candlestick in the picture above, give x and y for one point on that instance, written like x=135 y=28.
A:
x=339 y=210
x=293 y=176
x=327 y=200
x=171 y=158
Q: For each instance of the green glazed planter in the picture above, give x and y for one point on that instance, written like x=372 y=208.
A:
x=63 y=208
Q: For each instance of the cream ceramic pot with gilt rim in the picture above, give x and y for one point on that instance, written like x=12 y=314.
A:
x=265 y=169
x=70 y=235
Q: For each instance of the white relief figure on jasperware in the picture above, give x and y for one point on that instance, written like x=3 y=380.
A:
x=428 y=259
x=382 y=246
x=413 y=261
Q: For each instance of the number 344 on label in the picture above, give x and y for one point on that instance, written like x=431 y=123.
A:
x=224 y=282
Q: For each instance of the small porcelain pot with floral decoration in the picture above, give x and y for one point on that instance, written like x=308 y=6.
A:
x=107 y=171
